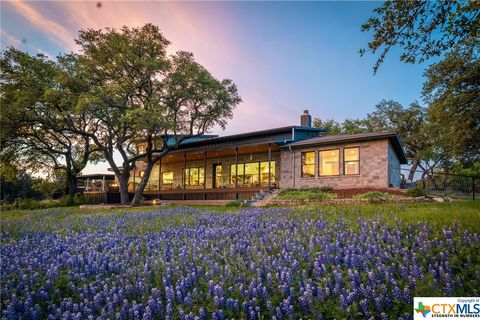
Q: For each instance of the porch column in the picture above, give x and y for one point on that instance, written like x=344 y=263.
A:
x=269 y=162
x=87 y=184
x=103 y=184
x=184 y=167
x=236 y=167
x=134 y=174
x=160 y=174
x=204 y=174
x=183 y=175
x=205 y=170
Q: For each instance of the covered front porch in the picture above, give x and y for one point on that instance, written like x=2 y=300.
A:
x=237 y=172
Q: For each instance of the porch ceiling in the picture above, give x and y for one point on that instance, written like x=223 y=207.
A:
x=178 y=156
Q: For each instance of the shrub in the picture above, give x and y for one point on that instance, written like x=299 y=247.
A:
x=235 y=203
x=305 y=194
x=416 y=192
x=326 y=189
x=374 y=196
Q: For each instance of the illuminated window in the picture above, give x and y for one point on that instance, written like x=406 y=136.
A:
x=141 y=173
x=251 y=173
x=167 y=178
x=264 y=172
x=153 y=180
x=141 y=149
x=308 y=164
x=351 y=160
x=233 y=176
x=329 y=162
x=194 y=176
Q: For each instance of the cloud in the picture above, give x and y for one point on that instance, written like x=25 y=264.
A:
x=53 y=30
x=10 y=40
x=17 y=43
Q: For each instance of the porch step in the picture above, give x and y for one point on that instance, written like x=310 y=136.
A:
x=263 y=198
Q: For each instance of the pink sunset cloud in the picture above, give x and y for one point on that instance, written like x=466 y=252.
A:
x=203 y=31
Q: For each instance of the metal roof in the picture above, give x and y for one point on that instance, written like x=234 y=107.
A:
x=97 y=176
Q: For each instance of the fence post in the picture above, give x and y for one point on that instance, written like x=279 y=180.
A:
x=473 y=188
x=445 y=185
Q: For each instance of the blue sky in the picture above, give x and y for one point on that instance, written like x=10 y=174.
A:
x=284 y=56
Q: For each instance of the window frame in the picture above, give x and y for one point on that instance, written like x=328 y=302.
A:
x=163 y=179
x=241 y=175
x=345 y=162
x=187 y=182
x=302 y=174
x=320 y=163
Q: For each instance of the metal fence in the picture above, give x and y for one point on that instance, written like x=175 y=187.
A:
x=448 y=185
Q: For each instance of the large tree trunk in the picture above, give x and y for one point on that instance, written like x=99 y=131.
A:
x=415 y=163
x=141 y=187
x=123 y=188
x=72 y=187
x=122 y=177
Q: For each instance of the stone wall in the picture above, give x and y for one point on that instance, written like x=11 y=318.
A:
x=374 y=171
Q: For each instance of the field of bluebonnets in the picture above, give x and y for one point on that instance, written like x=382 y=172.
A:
x=204 y=263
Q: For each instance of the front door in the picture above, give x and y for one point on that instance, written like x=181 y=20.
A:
x=217 y=175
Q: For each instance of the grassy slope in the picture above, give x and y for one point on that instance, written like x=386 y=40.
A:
x=465 y=213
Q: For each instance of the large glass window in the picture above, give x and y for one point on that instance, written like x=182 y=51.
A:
x=264 y=172
x=329 y=162
x=194 y=176
x=153 y=180
x=351 y=160
x=233 y=176
x=252 y=174
x=308 y=164
x=167 y=180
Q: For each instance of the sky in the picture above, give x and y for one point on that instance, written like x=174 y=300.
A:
x=285 y=57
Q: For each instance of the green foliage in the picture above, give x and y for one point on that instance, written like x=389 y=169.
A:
x=332 y=126
x=33 y=204
x=349 y=126
x=423 y=29
x=142 y=95
x=416 y=192
x=235 y=203
x=305 y=194
x=374 y=196
x=326 y=189
x=48 y=187
x=37 y=127
x=452 y=91
x=473 y=171
x=21 y=186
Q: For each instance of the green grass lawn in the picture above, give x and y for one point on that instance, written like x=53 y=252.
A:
x=465 y=213
x=305 y=194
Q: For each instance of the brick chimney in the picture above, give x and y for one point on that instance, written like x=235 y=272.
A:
x=305 y=119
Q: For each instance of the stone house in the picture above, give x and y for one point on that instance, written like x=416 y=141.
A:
x=239 y=166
